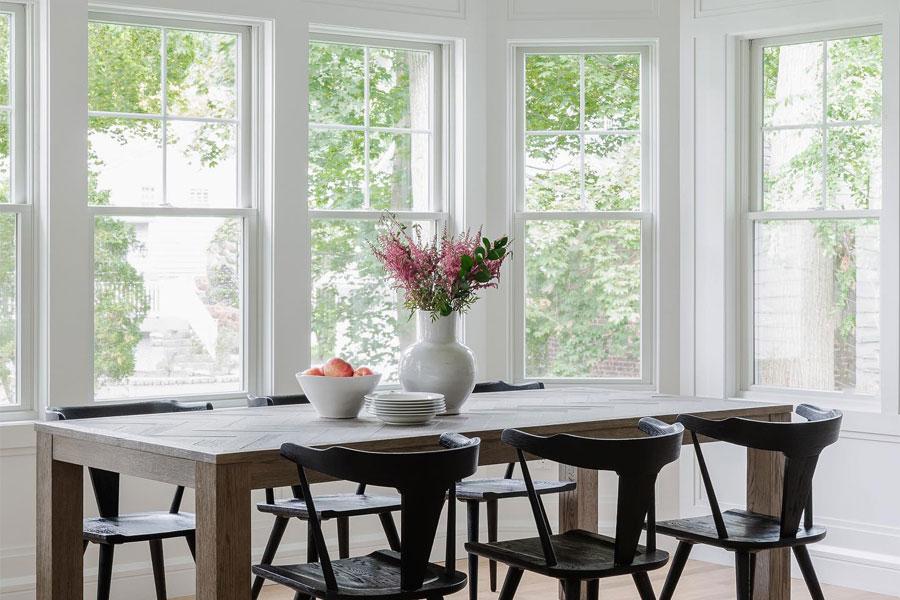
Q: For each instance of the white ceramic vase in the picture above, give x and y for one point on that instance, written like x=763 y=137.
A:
x=438 y=363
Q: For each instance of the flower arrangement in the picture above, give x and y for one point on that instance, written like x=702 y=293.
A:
x=440 y=275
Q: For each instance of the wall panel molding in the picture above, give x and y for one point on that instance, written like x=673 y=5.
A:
x=456 y=9
x=540 y=10
x=712 y=8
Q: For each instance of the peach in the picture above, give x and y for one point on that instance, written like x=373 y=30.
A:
x=337 y=367
x=317 y=371
x=362 y=372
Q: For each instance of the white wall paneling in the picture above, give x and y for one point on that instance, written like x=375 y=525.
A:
x=708 y=8
x=526 y=10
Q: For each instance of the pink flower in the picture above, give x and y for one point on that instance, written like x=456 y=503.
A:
x=432 y=275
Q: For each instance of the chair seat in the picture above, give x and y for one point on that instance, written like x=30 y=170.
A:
x=374 y=576
x=497 y=489
x=137 y=527
x=580 y=555
x=333 y=506
x=746 y=531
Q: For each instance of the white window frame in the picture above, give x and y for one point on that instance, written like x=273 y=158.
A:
x=751 y=212
x=21 y=203
x=442 y=209
x=645 y=216
x=249 y=182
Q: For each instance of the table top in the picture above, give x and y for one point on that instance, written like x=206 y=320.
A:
x=237 y=434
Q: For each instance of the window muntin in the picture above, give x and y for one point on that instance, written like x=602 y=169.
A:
x=584 y=215
x=163 y=105
x=169 y=148
x=814 y=218
x=374 y=146
x=16 y=339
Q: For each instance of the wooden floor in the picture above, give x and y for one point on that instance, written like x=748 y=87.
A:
x=701 y=581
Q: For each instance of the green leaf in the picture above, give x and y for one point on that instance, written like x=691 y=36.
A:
x=483 y=276
x=466 y=262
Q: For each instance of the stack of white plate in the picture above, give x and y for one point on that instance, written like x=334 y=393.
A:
x=405 y=408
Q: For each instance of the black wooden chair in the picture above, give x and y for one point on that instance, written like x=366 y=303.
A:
x=576 y=556
x=423 y=479
x=339 y=507
x=112 y=528
x=743 y=532
x=490 y=491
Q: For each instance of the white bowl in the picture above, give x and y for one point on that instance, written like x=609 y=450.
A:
x=337 y=397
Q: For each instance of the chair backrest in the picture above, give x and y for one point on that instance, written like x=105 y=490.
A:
x=272 y=400
x=800 y=442
x=100 y=410
x=502 y=386
x=424 y=480
x=637 y=461
x=106 y=483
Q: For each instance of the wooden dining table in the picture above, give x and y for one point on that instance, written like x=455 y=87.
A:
x=225 y=453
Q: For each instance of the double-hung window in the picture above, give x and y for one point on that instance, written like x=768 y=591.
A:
x=374 y=147
x=584 y=215
x=812 y=228
x=15 y=215
x=170 y=189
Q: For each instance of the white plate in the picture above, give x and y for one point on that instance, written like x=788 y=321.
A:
x=406 y=420
x=405 y=413
x=403 y=407
x=408 y=409
x=396 y=396
x=406 y=405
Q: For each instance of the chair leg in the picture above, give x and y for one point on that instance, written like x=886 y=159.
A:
x=159 y=568
x=390 y=531
x=809 y=573
x=472 y=517
x=492 y=537
x=571 y=589
x=593 y=589
x=104 y=574
x=678 y=562
x=644 y=587
x=191 y=540
x=752 y=572
x=742 y=572
x=269 y=553
x=312 y=555
x=343 y=527
x=510 y=584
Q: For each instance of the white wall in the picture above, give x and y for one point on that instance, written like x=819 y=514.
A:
x=854 y=498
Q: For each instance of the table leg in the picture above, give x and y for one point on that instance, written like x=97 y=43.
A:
x=765 y=479
x=223 y=531
x=59 y=528
x=579 y=508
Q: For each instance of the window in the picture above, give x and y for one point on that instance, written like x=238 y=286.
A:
x=584 y=215
x=374 y=146
x=15 y=213
x=813 y=230
x=169 y=185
